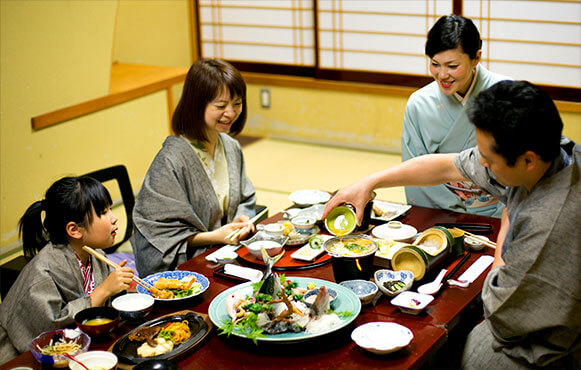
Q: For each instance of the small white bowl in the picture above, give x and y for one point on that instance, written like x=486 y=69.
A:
x=473 y=243
x=304 y=225
x=274 y=229
x=133 y=307
x=226 y=257
x=383 y=277
x=365 y=290
x=95 y=360
x=272 y=248
x=412 y=302
x=382 y=337
x=311 y=295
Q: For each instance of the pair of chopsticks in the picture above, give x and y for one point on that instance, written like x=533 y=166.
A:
x=146 y=285
x=479 y=238
x=457 y=267
x=237 y=232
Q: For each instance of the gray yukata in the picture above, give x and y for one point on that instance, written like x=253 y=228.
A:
x=177 y=200
x=47 y=295
x=532 y=304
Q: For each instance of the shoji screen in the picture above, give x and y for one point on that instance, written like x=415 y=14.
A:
x=539 y=41
x=279 y=32
x=378 y=36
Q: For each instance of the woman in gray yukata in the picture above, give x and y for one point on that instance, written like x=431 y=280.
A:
x=196 y=191
x=435 y=118
x=61 y=279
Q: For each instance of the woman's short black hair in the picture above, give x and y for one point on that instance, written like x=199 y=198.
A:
x=206 y=80
x=452 y=31
x=520 y=117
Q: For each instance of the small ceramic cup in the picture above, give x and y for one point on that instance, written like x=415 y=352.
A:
x=274 y=229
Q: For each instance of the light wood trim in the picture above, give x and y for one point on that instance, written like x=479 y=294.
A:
x=313 y=83
x=260 y=7
x=161 y=78
x=568 y=106
x=128 y=81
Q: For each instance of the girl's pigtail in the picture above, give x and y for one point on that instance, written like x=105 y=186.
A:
x=32 y=232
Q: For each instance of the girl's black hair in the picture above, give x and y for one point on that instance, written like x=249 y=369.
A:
x=451 y=31
x=70 y=199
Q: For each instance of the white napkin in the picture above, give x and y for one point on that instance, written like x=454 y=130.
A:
x=243 y=272
x=221 y=252
x=476 y=268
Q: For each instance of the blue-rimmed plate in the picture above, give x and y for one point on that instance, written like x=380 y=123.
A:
x=346 y=301
x=177 y=274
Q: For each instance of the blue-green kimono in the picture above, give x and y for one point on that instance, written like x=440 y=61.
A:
x=437 y=123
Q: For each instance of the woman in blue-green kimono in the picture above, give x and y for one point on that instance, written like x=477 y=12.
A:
x=435 y=119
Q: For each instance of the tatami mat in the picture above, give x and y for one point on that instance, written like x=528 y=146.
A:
x=277 y=168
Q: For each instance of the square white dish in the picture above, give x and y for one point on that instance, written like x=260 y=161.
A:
x=412 y=302
x=390 y=210
x=306 y=253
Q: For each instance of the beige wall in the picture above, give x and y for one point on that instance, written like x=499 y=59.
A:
x=367 y=121
x=58 y=53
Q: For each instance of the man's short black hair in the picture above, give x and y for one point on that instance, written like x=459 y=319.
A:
x=520 y=117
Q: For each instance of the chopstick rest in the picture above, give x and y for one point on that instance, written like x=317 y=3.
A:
x=243 y=272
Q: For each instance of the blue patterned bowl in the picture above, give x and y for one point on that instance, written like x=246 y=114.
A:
x=383 y=277
x=365 y=290
x=177 y=274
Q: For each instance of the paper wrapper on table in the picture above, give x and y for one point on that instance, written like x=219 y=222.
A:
x=243 y=272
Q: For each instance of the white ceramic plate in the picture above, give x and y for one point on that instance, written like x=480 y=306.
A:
x=382 y=337
x=309 y=197
x=315 y=211
x=306 y=253
x=390 y=210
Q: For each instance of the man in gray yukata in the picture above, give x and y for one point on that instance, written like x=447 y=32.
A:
x=532 y=295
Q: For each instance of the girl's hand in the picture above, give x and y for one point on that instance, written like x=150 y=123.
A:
x=117 y=281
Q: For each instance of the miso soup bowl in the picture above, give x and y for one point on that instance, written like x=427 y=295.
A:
x=102 y=330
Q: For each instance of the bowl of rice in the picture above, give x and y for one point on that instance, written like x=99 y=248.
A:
x=133 y=307
x=49 y=347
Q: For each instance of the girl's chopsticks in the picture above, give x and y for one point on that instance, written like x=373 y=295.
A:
x=116 y=266
x=478 y=238
x=236 y=232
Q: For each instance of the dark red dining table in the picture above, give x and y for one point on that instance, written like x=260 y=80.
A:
x=334 y=350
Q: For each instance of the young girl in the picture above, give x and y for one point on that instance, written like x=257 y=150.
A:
x=62 y=279
x=196 y=190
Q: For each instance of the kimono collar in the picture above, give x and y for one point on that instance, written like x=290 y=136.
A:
x=464 y=99
x=563 y=160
